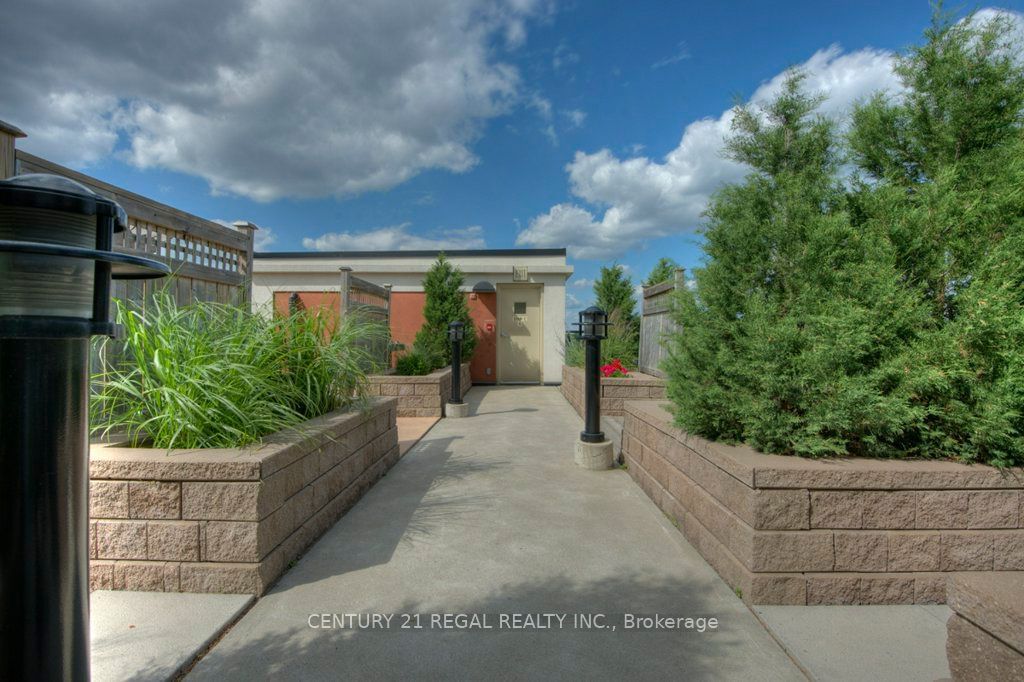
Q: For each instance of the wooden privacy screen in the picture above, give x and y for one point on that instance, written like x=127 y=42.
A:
x=656 y=322
x=209 y=261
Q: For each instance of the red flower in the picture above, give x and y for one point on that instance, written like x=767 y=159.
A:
x=614 y=369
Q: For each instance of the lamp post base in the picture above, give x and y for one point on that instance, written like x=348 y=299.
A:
x=596 y=456
x=456 y=410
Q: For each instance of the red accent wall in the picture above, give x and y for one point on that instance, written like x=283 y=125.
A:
x=483 y=309
x=407 y=318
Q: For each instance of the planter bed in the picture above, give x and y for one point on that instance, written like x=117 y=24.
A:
x=420 y=396
x=786 y=530
x=230 y=520
x=614 y=391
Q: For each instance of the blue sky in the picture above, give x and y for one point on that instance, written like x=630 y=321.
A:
x=464 y=123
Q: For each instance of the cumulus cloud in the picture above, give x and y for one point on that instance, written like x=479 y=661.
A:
x=626 y=201
x=263 y=99
x=398 y=238
x=582 y=282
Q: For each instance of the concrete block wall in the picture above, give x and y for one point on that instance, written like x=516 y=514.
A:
x=230 y=520
x=786 y=530
x=614 y=391
x=985 y=634
x=422 y=396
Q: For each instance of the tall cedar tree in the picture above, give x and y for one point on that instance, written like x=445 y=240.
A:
x=663 y=271
x=445 y=303
x=787 y=342
x=944 y=172
x=614 y=294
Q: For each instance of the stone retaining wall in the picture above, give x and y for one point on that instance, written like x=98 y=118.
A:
x=422 y=396
x=614 y=391
x=985 y=634
x=786 y=530
x=230 y=520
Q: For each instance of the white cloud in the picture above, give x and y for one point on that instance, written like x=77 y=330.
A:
x=679 y=55
x=262 y=239
x=628 y=201
x=582 y=282
x=541 y=105
x=563 y=57
x=575 y=117
x=398 y=238
x=263 y=99
x=549 y=132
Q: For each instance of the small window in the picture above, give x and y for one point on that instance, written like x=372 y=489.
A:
x=519 y=307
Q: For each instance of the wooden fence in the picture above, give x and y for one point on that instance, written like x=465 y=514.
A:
x=209 y=262
x=354 y=295
x=656 y=322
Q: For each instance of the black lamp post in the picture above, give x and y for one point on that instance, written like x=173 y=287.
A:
x=593 y=327
x=456 y=333
x=56 y=265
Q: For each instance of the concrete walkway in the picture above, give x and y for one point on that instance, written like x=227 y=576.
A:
x=487 y=516
x=153 y=636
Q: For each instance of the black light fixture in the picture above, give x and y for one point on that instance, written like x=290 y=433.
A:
x=593 y=327
x=593 y=324
x=456 y=334
x=56 y=266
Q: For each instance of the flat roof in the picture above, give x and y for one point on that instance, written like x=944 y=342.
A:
x=409 y=254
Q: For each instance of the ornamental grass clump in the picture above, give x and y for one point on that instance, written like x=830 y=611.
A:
x=213 y=375
x=619 y=346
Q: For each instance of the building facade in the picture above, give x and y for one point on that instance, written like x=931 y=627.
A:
x=516 y=299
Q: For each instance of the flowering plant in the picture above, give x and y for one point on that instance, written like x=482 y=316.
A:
x=614 y=369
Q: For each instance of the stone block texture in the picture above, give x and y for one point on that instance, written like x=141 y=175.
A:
x=614 y=392
x=423 y=396
x=985 y=634
x=230 y=521
x=786 y=530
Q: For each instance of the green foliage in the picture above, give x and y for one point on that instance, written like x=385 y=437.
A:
x=213 y=375
x=414 y=363
x=445 y=303
x=881 y=317
x=614 y=294
x=620 y=345
x=664 y=270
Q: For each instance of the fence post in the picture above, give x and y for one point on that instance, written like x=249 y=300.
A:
x=343 y=300
x=680 y=279
x=8 y=159
x=249 y=230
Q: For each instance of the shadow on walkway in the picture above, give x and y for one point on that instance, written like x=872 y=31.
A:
x=488 y=515
x=301 y=652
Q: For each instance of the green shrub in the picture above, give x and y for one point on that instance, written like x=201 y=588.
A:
x=213 y=375
x=444 y=304
x=614 y=294
x=620 y=345
x=663 y=271
x=881 y=316
x=414 y=363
